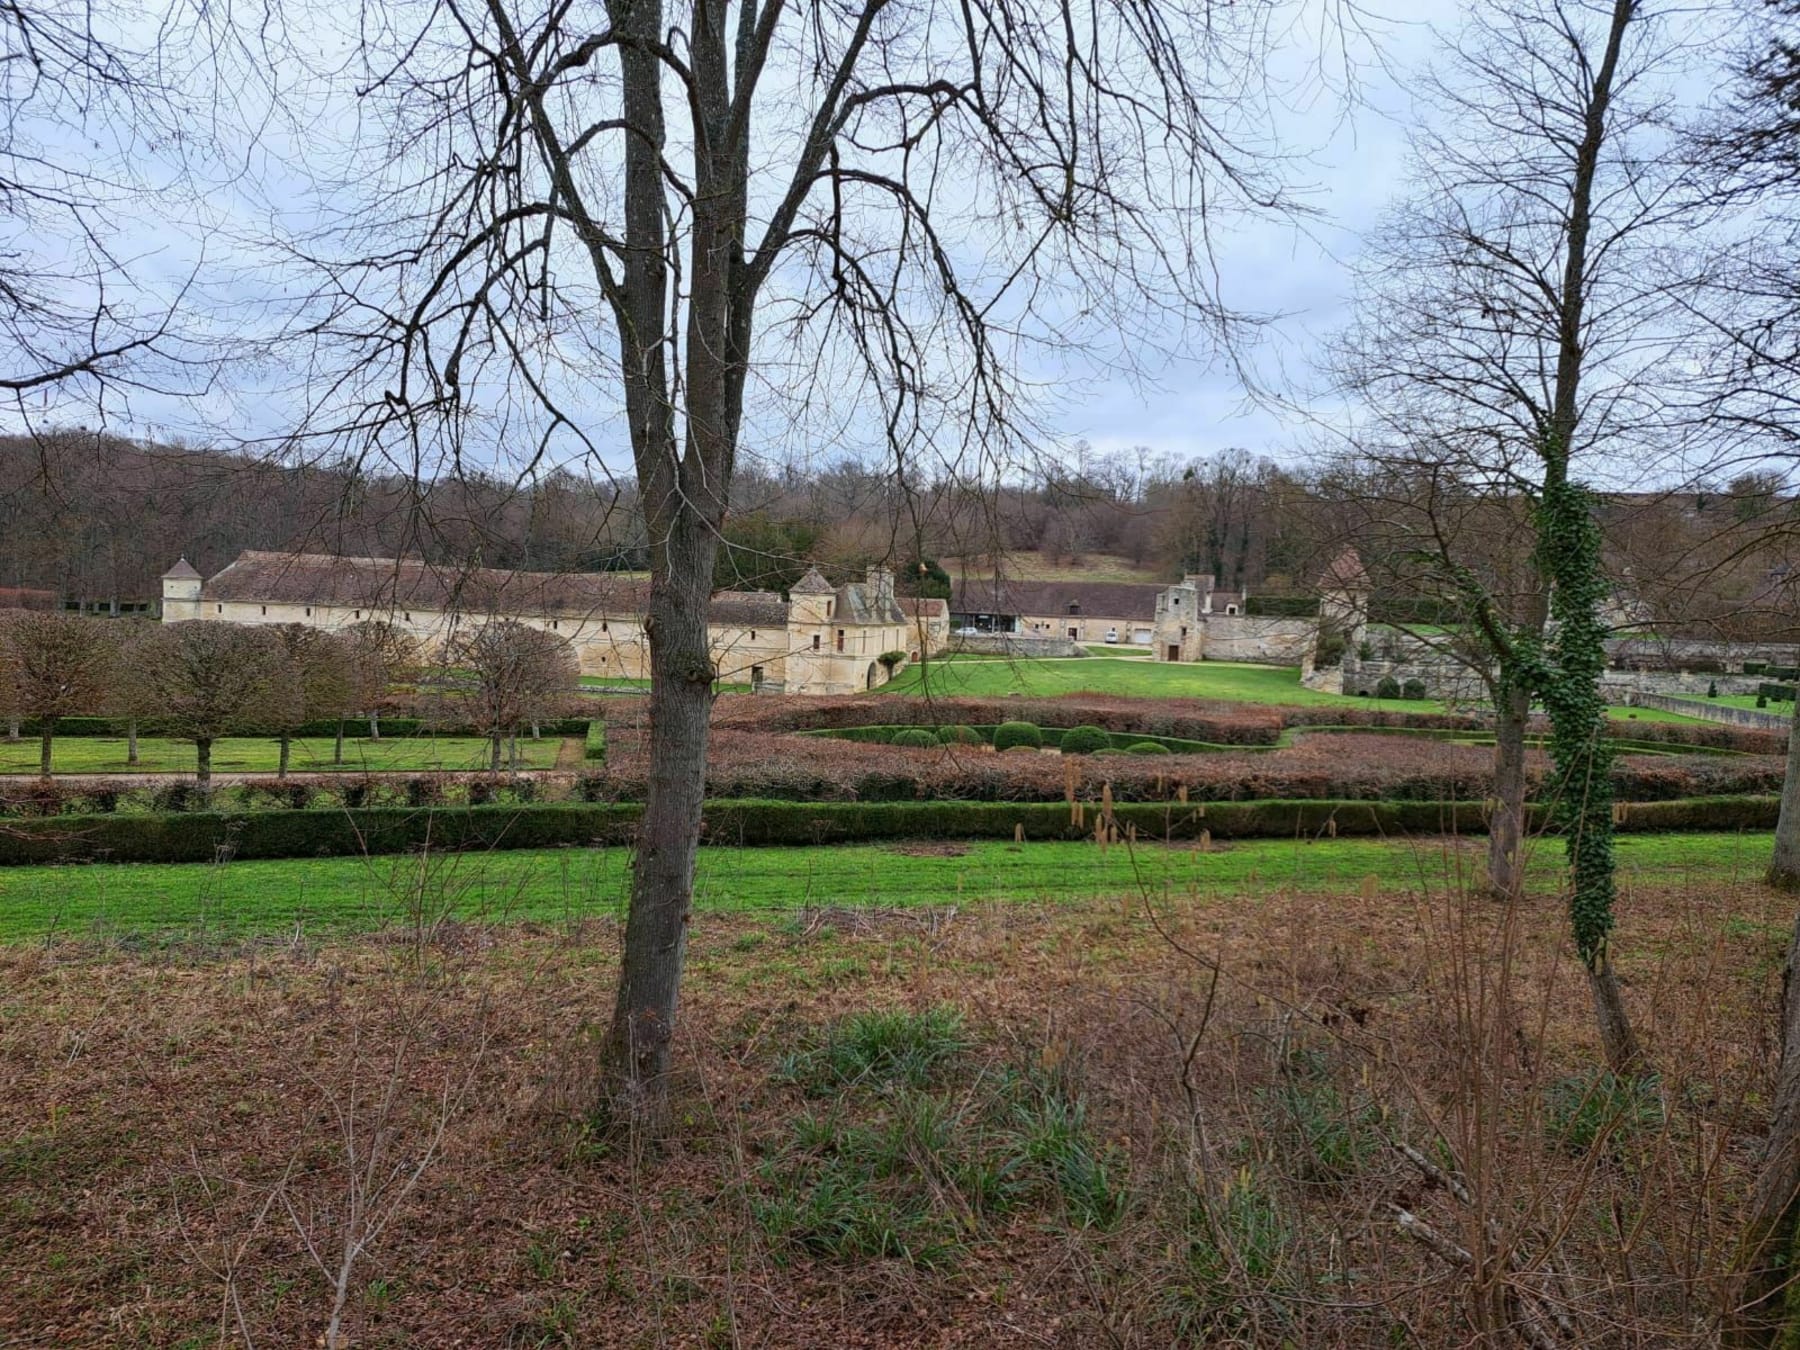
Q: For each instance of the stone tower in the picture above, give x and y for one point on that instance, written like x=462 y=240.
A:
x=180 y=592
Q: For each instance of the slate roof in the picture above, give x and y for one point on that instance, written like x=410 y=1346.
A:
x=812 y=584
x=183 y=570
x=1098 y=599
x=930 y=608
x=410 y=583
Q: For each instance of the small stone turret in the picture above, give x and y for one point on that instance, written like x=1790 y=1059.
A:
x=181 y=592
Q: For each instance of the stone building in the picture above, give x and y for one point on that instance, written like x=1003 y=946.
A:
x=1197 y=621
x=823 y=639
x=1099 y=612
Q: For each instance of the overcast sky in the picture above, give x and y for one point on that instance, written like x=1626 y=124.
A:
x=1350 y=157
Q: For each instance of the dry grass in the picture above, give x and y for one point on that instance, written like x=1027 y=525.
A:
x=177 y=1129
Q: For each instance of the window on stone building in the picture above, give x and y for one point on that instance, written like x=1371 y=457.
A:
x=840 y=640
x=308 y=611
x=815 y=642
x=1074 y=606
x=220 y=608
x=265 y=609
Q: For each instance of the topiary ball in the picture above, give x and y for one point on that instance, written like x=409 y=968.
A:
x=959 y=735
x=915 y=738
x=1146 y=748
x=1013 y=735
x=1084 y=741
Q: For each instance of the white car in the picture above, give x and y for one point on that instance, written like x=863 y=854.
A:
x=1112 y=635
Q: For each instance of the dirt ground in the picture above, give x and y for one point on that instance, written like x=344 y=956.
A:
x=192 y=1139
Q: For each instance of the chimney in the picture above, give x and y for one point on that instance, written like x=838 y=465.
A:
x=881 y=588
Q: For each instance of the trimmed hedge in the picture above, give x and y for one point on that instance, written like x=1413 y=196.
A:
x=915 y=738
x=1012 y=735
x=959 y=735
x=117 y=728
x=1146 y=748
x=206 y=836
x=1085 y=740
x=594 y=745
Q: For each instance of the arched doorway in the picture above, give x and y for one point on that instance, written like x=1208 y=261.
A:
x=874 y=674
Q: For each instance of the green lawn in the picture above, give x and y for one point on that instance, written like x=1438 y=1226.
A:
x=1236 y=682
x=100 y=754
x=1230 y=681
x=347 y=894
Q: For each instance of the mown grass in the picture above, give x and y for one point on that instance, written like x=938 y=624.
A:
x=1226 y=681
x=352 y=894
x=403 y=754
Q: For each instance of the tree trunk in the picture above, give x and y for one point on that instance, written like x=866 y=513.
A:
x=131 y=745
x=337 y=751
x=46 y=733
x=1784 y=867
x=1759 y=1309
x=1506 y=819
x=281 y=765
x=203 y=760
x=662 y=885
x=512 y=751
x=494 y=753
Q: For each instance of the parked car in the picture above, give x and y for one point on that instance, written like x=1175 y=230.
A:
x=1112 y=635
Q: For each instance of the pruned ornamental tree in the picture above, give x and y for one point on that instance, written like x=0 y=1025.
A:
x=56 y=665
x=313 y=681
x=208 y=679
x=1520 y=323
x=380 y=654
x=125 y=696
x=865 y=213
x=504 y=675
x=9 y=688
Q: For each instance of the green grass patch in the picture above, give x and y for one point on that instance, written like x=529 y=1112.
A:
x=241 y=899
x=390 y=754
x=1227 y=681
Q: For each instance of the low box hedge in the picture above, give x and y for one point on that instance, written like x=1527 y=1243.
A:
x=594 y=744
x=207 y=836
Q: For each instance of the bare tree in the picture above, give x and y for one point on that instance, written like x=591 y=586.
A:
x=1520 y=311
x=313 y=680
x=91 y=110
x=1754 y=390
x=506 y=674
x=861 y=212
x=381 y=653
x=207 y=679
x=126 y=696
x=58 y=665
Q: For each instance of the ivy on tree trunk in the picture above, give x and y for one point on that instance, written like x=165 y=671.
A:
x=1568 y=547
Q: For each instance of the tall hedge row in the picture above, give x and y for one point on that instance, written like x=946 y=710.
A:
x=212 y=835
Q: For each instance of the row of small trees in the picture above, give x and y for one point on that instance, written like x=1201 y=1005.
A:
x=203 y=680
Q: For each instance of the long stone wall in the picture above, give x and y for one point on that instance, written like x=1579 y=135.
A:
x=1709 y=711
x=1022 y=645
